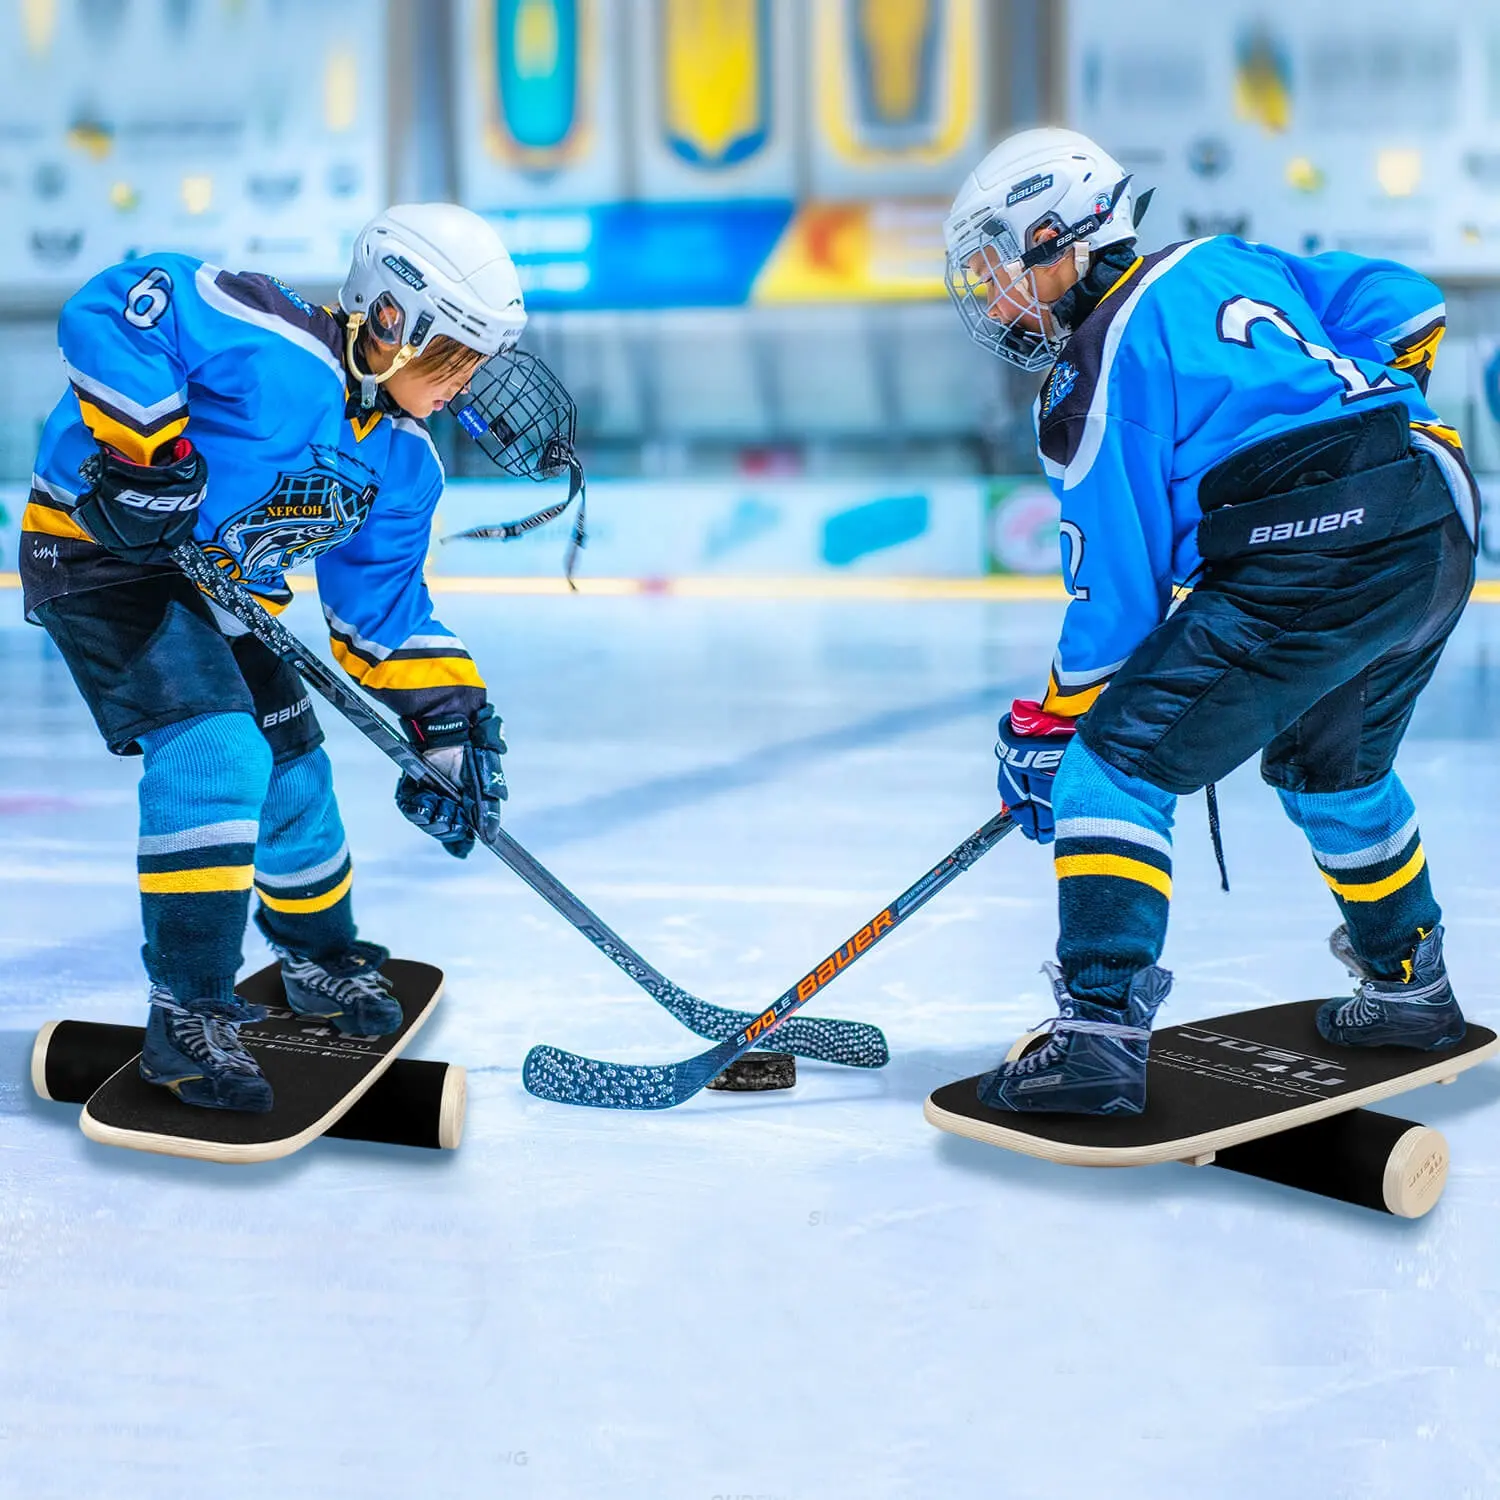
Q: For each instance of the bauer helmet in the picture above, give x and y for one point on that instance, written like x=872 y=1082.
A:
x=425 y=269
x=1037 y=180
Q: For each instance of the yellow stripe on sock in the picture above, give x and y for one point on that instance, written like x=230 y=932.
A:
x=1115 y=864
x=305 y=904
x=194 y=882
x=1377 y=890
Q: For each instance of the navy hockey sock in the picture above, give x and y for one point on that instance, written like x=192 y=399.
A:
x=1369 y=850
x=200 y=796
x=1114 y=875
x=302 y=871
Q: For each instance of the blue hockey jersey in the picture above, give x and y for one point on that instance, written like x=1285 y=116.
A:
x=1197 y=352
x=297 y=472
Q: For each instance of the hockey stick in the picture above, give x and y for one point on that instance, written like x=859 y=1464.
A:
x=551 y=1073
x=852 y=1043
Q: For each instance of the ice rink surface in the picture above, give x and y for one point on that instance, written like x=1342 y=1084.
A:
x=806 y=1296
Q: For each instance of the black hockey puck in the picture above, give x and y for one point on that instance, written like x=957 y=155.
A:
x=756 y=1071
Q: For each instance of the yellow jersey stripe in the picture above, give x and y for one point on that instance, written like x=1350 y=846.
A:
x=50 y=521
x=1070 y=705
x=410 y=673
x=1117 y=865
x=1376 y=890
x=1423 y=352
x=1125 y=276
x=1441 y=431
x=305 y=904
x=137 y=447
x=196 y=882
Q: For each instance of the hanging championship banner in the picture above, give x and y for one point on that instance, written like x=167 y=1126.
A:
x=194 y=127
x=898 y=95
x=714 y=92
x=537 y=102
x=1278 y=121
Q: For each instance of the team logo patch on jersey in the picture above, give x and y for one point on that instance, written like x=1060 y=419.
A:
x=300 y=517
x=1060 y=385
x=406 y=271
x=1028 y=189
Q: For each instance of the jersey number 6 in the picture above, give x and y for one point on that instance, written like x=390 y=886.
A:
x=1237 y=320
x=148 y=299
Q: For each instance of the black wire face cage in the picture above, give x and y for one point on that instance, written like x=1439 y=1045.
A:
x=520 y=414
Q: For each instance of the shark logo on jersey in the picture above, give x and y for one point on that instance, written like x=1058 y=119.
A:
x=302 y=516
x=1028 y=189
x=1059 y=385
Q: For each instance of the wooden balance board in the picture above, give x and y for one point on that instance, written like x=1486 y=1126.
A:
x=1259 y=1092
x=317 y=1075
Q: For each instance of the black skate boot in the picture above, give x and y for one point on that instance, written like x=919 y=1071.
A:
x=1419 y=1011
x=1094 y=1059
x=349 y=990
x=193 y=1048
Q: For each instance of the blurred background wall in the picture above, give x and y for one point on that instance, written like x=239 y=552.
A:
x=727 y=214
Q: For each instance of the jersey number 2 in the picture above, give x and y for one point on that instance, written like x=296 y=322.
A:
x=1237 y=320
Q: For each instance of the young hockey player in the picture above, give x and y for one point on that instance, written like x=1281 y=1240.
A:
x=222 y=407
x=1253 y=423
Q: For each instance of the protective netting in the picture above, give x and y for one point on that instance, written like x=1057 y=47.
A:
x=523 y=418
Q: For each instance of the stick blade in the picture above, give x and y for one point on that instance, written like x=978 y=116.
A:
x=566 y=1078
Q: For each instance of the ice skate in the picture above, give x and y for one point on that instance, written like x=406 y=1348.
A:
x=1093 y=1061
x=194 y=1050
x=1419 y=1011
x=347 y=990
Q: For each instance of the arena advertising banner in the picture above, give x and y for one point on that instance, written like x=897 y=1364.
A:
x=950 y=528
x=680 y=528
x=715 y=99
x=663 y=153
x=899 y=100
x=725 y=254
x=1284 y=122
x=240 y=133
x=538 y=111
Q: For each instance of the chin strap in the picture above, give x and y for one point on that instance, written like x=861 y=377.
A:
x=369 y=385
x=506 y=531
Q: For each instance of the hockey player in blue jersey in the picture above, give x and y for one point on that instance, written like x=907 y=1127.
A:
x=222 y=407
x=1252 y=423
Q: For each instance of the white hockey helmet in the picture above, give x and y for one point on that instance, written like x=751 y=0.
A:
x=1036 y=180
x=425 y=269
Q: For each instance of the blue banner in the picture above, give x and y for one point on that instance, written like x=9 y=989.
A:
x=642 y=255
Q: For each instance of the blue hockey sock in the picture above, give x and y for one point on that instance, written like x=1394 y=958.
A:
x=302 y=871
x=200 y=796
x=1114 y=874
x=1369 y=850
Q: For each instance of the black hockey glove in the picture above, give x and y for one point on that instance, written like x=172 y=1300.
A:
x=466 y=751
x=140 y=513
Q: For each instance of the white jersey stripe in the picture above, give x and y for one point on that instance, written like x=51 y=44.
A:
x=232 y=308
x=144 y=415
x=1094 y=423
